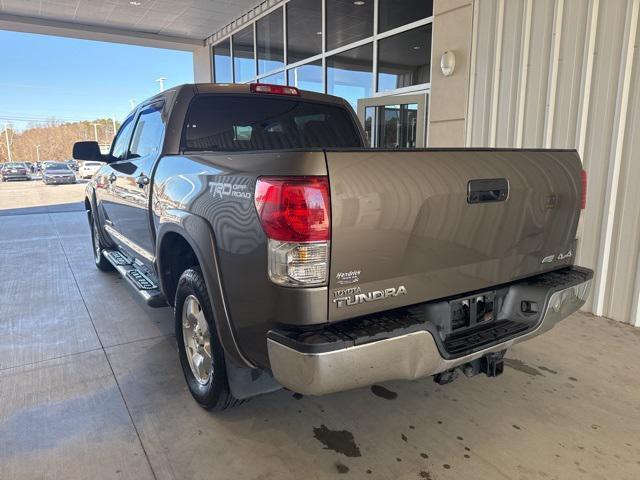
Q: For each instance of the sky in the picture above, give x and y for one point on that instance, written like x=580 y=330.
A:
x=43 y=76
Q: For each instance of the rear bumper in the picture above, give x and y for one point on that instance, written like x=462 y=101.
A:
x=16 y=176
x=59 y=180
x=415 y=352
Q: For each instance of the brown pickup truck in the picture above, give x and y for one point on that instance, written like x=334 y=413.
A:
x=295 y=256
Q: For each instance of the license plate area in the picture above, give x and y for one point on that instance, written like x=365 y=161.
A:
x=468 y=312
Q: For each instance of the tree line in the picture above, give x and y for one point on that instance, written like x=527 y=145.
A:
x=52 y=140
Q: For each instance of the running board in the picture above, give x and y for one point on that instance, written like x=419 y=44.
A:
x=141 y=282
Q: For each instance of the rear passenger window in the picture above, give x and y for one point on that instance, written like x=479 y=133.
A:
x=147 y=137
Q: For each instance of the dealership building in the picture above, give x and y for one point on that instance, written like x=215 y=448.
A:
x=423 y=73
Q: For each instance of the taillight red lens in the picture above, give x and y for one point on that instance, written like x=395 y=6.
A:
x=275 y=89
x=294 y=209
x=583 y=199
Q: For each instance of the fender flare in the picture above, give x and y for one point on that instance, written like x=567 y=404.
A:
x=199 y=235
x=90 y=194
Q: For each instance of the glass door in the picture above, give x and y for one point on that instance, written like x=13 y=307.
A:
x=394 y=121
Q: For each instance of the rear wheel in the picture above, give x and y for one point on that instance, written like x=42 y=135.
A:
x=98 y=257
x=201 y=354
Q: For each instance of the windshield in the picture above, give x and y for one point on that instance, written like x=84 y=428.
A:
x=57 y=166
x=92 y=164
x=217 y=122
x=14 y=165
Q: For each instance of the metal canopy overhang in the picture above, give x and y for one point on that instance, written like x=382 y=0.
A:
x=152 y=23
x=91 y=32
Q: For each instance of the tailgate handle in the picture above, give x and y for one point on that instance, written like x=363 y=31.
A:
x=487 y=190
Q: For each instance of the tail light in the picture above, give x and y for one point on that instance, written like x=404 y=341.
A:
x=295 y=215
x=583 y=198
x=275 y=89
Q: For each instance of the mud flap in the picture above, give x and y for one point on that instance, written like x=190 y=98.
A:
x=249 y=382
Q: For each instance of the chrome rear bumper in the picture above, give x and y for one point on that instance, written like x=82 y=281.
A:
x=404 y=357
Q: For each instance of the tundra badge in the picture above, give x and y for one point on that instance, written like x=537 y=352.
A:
x=353 y=296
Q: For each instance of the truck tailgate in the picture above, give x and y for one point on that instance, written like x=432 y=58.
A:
x=414 y=226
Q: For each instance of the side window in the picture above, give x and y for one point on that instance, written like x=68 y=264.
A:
x=147 y=136
x=119 y=147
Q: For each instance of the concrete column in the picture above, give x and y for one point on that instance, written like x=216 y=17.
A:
x=202 y=66
x=452 y=31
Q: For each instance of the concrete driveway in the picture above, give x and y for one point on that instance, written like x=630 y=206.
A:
x=91 y=388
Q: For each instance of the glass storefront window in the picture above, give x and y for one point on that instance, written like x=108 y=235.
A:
x=244 y=65
x=222 y=62
x=405 y=59
x=270 y=42
x=349 y=74
x=348 y=21
x=368 y=125
x=304 y=29
x=275 y=79
x=307 y=77
x=395 y=13
x=396 y=126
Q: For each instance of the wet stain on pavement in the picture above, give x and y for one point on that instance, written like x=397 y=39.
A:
x=297 y=396
x=424 y=455
x=340 y=441
x=342 y=468
x=522 y=367
x=426 y=475
x=404 y=437
x=573 y=379
x=380 y=391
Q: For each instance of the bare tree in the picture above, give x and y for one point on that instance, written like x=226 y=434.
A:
x=55 y=138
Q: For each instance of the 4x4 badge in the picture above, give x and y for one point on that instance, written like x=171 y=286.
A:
x=560 y=256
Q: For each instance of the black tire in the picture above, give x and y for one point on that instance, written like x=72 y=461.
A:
x=215 y=394
x=97 y=246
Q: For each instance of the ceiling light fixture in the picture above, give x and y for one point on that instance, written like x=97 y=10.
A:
x=358 y=3
x=135 y=4
x=416 y=47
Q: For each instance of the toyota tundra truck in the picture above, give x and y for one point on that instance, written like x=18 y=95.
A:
x=295 y=256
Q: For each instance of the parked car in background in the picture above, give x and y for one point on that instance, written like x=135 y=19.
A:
x=88 y=169
x=57 y=173
x=30 y=167
x=73 y=165
x=14 y=171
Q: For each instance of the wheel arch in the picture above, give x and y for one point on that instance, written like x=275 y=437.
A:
x=186 y=229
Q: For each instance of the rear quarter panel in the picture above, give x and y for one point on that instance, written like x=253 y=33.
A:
x=219 y=188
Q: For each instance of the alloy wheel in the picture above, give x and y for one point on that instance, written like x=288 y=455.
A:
x=197 y=340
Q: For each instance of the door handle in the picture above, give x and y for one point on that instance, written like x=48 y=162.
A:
x=485 y=191
x=112 y=178
x=142 y=180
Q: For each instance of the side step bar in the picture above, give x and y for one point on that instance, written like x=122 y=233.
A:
x=142 y=283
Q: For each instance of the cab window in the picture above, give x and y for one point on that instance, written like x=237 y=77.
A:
x=120 y=143
x=148 y=134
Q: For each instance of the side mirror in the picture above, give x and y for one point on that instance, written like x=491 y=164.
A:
x=87 y=151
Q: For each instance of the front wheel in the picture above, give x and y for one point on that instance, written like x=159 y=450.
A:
x=201 y=354
x=98 y=257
